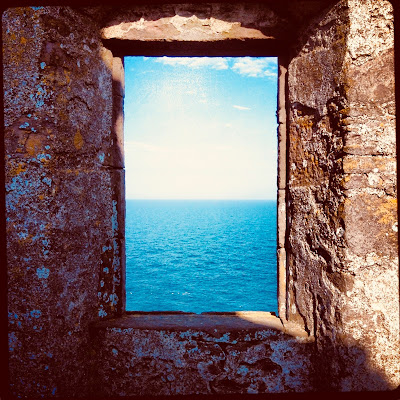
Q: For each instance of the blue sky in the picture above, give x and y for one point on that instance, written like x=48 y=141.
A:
x=200 y=127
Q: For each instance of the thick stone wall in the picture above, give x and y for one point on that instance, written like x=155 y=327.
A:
x=342 y=202
x=338 y=327
x=63 y=198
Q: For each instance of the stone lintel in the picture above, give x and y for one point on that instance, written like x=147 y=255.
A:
x=220 y=48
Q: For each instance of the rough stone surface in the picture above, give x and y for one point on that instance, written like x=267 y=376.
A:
x=62 y=196
x=342 y=207
x=370 y=306
x=201 y=354
x=188 y=22
x=339 y=294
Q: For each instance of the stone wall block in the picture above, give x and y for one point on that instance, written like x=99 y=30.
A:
x=111 y=285
x=371 y=224
x=372 y=83
x=58 y=90
x=371 y=30
x=379 y=182
x=369 y=308
x=62 y=231
x=372 y=135
x=353 y=164
x=193 y=361
x=58 y=116
x=194 y=22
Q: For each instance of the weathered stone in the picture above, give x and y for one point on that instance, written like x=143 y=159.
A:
x=180 y=22
x=282 y=127
x=243 y=353
x=281 y=259
x=281 y=216
x=342 y=208
x=61 y=199
x=371 y=224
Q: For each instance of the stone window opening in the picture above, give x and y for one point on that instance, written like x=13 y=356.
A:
x=224 y=72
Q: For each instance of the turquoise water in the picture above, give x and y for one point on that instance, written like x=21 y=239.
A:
x=201 y=255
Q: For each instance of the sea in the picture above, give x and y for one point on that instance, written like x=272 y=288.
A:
x=201 y=255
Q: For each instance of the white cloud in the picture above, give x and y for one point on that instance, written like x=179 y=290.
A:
x=241 y=107
x=195 y=62
x=255 y=67
x=248 y=66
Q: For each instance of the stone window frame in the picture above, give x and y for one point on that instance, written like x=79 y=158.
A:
x=130 y=48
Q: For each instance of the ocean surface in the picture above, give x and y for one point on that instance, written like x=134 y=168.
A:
x=201 y=255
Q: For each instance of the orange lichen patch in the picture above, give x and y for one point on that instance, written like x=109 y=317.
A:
x=43 y=159
x=33 y=144
x=16 y=170
x=387 y=211
x=304 y=125
x=346 y=178
x=305 y=122
x=78 y=140
x=67 y=76
x=371 y=163
x=41 y=196
x=62 y=114
x=61 y=99
x=350 y=164
x=23 y=40
x=364 y=164
x=17 y=272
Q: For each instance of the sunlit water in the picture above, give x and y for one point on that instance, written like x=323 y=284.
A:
x=198 y=256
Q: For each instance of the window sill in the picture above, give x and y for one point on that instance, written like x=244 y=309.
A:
x=212 y=322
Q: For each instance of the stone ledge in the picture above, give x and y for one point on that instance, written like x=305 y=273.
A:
x=207 y=322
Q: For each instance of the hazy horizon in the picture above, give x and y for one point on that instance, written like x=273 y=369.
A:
x=201 y=199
